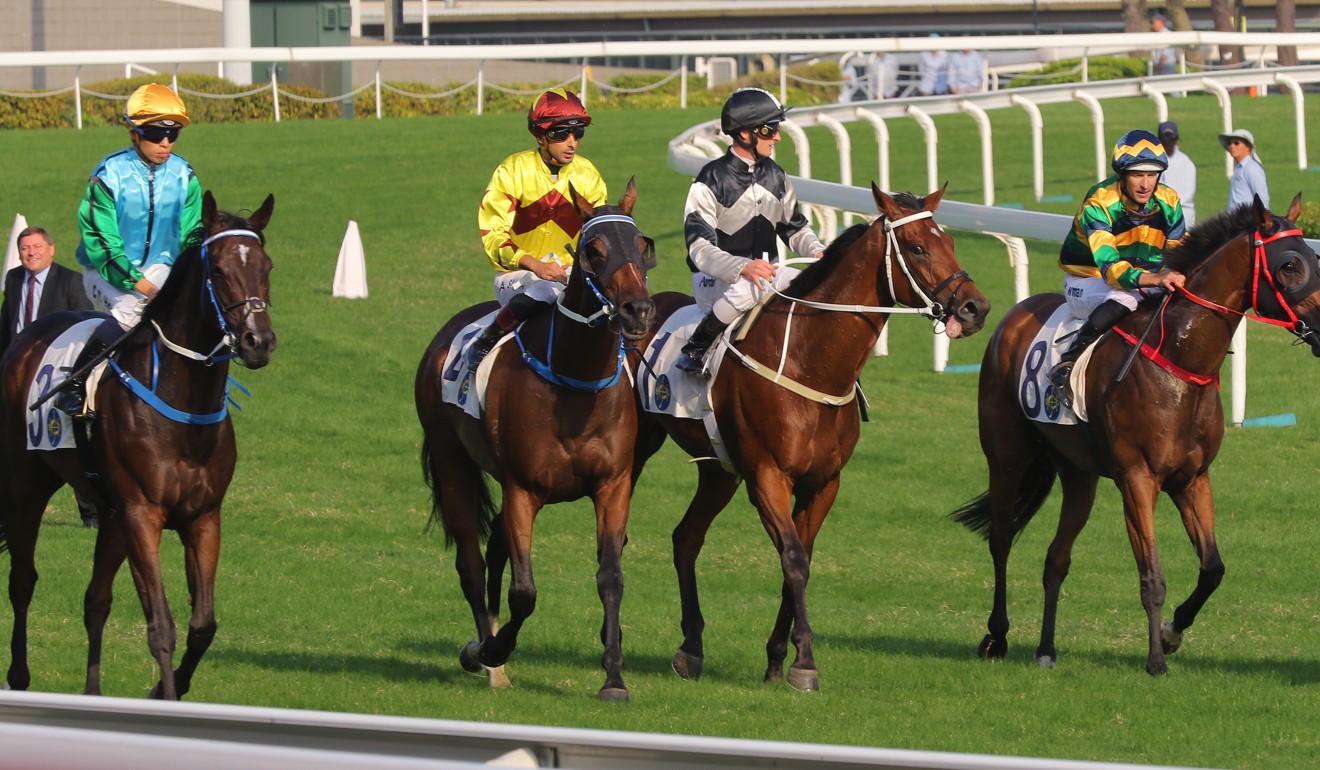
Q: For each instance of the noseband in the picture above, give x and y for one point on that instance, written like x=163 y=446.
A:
x=934 y=309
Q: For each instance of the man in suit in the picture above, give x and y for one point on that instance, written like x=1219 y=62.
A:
x=37 y=287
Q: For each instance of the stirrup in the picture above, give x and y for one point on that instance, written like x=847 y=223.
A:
x=478 y=350
x=1061 y=378
x=692 y=364
x=73 y=402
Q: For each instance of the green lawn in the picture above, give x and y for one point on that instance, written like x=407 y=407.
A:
x=331 y=596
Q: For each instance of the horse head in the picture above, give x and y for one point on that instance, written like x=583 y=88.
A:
x=920 y=266
x=614 y=257
x=1286 y=276
x=238 y=277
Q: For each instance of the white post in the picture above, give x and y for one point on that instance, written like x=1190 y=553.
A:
x=843 y=145
x=941 y=351
x=682 y=85
x=932 y=142
x=236 y=32
x=77 y=95
x=783 y=79
x=426 y=24
x=275 y=90
x=379 y=95
x=1299 y=119
x=1226 y=105
x=1161 y=103
x=481 y=84
x=582 y=94
x=1239 y=373
x=1037 y=143
x=1098 y=122
x=881 y=144
x=987 y=151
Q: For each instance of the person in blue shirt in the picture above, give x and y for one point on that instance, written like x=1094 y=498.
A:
x=1248 y=173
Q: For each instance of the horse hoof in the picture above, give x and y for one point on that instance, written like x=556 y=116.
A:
x=1157 y=669
x=687 y=666
x=469 y=657
x=992 y=648
x=804 y=679
x=1170 y=639
x=498 y=679
x=613 y=694
x=1045 y=661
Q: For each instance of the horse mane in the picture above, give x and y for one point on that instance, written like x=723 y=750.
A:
x=190 y=259
x=814 y=274
x=1209 y=236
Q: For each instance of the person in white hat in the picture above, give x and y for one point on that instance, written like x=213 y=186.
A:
x=142 y=208
x=1248 y=173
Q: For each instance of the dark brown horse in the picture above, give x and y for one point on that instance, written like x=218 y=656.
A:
x=1152 y=431
x=791 y=444
x=163 y=444
x=560 y=434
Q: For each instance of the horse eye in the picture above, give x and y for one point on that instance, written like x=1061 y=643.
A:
x=918 y=249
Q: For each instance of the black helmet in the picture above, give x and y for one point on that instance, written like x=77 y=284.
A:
x=748 y=108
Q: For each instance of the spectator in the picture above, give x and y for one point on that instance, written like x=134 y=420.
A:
x=1248 y=173
x=38 y=287
x=966 y=72
x=526 y=218
x=933 y=67
x=1181 y=175
x=1164 y=61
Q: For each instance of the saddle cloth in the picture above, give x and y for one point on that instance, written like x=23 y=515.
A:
x=48 y=428
x=459 y=385
x=1036 y=394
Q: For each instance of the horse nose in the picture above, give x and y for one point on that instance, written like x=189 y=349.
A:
x=638 y=315
x=256 y=347
x=972 y=313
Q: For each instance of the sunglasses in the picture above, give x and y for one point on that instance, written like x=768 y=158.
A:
x=561 y=134
x=158 y=134
x=1236 y=141
x=766 y=131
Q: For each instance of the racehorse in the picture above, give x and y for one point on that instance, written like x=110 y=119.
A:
x=558 y=425
x=164 y=450
x=791 y=438
x=1155 y=429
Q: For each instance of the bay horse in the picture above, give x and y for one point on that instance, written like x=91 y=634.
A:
x=162 y=443
x=1156 y=429
x=792 y=444
x=558 y=434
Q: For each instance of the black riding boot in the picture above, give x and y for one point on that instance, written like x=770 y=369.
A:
x=1102 y=320
x=693 y=357
x=520 y=308
x=72 y=398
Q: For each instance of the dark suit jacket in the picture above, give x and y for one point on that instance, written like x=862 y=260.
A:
x=63 y=290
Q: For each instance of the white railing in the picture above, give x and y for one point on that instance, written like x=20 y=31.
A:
x=693 y=148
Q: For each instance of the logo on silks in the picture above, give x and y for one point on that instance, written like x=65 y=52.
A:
x=663 y=393
x=1053 y=404
x=465 y=389
x=54 y=427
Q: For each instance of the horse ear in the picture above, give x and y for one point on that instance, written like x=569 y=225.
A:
x=932 y=201
x=629 y=198
x=1262 y=213
x=208 y=209
x=1295 y=208
x=583 y=206
x=883 y=203
x=261 y=218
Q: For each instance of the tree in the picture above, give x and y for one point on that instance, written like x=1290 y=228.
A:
x=1180 y=21
x=1222 y=13
x=1134 y=16
x=1285 y=16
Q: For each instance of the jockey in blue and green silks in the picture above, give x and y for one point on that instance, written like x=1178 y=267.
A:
x=1113 y=253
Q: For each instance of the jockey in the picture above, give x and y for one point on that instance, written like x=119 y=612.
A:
x=143 y=207
x=737 y=208
x=527 y=218
x=1111 y=257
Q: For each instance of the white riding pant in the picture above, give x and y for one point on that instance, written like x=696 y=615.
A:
x=125 y=306
x=1086 y=294
x=730 y=300
x=525 y=282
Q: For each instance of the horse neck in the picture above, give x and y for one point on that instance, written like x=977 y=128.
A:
x=189 y=321
x=578 y=350
x=1201 y=336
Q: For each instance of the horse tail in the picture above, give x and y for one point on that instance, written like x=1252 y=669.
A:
x=1035 y=486
x=485 y=502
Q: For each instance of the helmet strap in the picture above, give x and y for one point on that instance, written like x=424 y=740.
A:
x=749 y=146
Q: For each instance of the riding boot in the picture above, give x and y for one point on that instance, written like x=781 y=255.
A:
x=1102 y=320
x=692 y=359
x=72 y=398
x=520 y=308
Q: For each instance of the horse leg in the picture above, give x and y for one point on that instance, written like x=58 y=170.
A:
x=519 y=512
x=497 y=558
x=201 y=544
x=109 y=557
x=612 y=503
x=1196 y=504
x=142 y=535
x=770 y=493
x=812 y=507
x=1139 y=493
x=1078 y=498
x=19 y=525
x=715 y=489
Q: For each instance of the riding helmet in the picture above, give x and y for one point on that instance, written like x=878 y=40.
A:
x=557 y=107
x=155 y=104
x=748 y=108
x=1139 y=150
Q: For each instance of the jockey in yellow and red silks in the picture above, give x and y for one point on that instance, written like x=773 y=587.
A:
x=527 y=218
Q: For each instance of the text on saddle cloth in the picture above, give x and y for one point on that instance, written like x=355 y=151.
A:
x=48 y=428
x=459 y=385
x=1037 y=396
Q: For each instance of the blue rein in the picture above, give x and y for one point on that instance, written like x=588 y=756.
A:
x=149 y=395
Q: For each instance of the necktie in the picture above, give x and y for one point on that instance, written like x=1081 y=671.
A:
x=31 y=299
